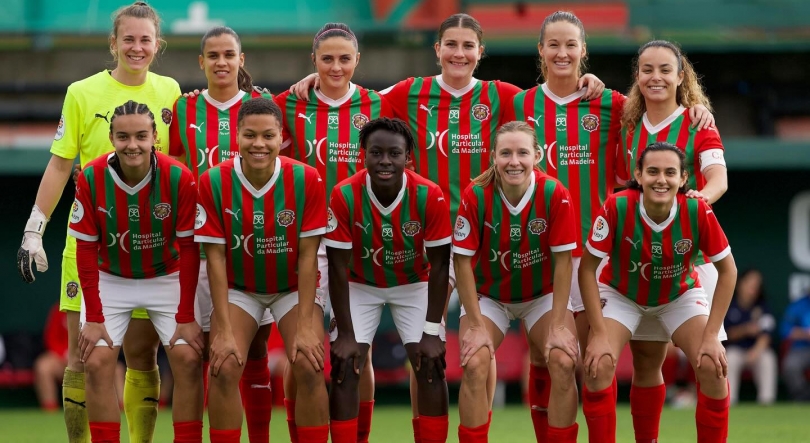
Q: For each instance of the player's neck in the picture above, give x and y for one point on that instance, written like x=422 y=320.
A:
x=659 y=111
x=133 y=176
x=562 y=86
x=657 y=212
x=223 y=94
x=386 y=194
x=457 y=82
x=129 y=78
x=334 y=93
x=258 y=177
x=514 y=194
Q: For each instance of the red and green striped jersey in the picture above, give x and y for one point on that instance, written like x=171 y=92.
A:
x=676 y=129
x=388 y=243
x=650 y=263
x=580 y=141
x=261 y=228
x=454 y=128
x=512 y=246
x=136 y=227
x=205 y=130
x=325 y=133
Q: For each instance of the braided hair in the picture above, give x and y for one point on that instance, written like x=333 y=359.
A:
x=135 y=108
x=394 y=125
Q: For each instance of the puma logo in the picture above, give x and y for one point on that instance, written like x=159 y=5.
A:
x=426 y=109
x=103 y=117
x=634 y=243
x=267 y=386
x=308 y=118
x=70 y=400
x=364 y=228
x=234 y=214
x=536 y=121
x=106 y=211
x=195 y=127
x=151 y=399
x=492 y=227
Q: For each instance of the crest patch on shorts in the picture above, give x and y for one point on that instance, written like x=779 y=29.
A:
x=72 y=289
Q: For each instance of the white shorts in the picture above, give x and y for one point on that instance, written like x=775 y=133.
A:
x=323 y=271
x=651 y=330
x=278 y=304
x=502 y=313
x=576 y=294
x=204 y=305
x=669 y=317
x=408 y=305
x=160 y=296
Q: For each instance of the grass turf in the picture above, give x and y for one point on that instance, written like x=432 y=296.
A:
x=783 y=423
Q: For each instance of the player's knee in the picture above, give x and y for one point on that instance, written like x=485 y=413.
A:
x=228 y=376
x=560 y=365
x=477 y=368
x=97 y=368
x=186 y=361
x=305 y=374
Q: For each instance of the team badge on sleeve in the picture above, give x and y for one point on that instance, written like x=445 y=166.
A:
x=480 y=112
x=60 y=130
x=600 y=229
x=285 y=218
x=590 y=122
x=166 y=116
x=411 y=228
x=537 y=226
x=683 y=246
x=331 y=221
x=359 y=120
x=162 y=211
x=200 y=218
x=77 y=213
x=462 y=228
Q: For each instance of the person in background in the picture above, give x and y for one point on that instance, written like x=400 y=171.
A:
x=796 y=328
x=49 y=367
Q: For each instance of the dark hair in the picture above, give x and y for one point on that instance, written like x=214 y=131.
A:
x=136 y=10
x=465 y=21
x=394 y=125
x=688 y=94
x=333 y=30
x=760 y=293
x=135 y=108
x=259 y=106
x=561 y=16
x=659 y=147
x=244 y=79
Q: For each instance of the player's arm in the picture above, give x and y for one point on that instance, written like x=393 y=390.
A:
x=711 y=346
x=306 y=341
x=559 y=337
x=598 y=343
x=431 y=347
x=716 y=183
x=477 y=335
x=701 y=116
x=302 y=87
x=594 y=86
x=344 y=350
x=223 y=344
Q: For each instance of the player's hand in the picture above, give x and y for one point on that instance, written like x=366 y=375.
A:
x=307 y=343
x=193 y=93
x=346 y=356
x=598 y=347
x=90 y=334
x=431 y=349
x=301 y=89
x=192 y=333
x=77 y=171
x=475 y=338
x=701 y=117
x=712 y=348
x=696 y=195
x=31 y=247
x=222 y=347
x=559 y=337
x=594 y=85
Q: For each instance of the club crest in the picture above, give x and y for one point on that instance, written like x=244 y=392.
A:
x=480 y=112
x=162 y=211
x=72 y=289
x=411 y=228
x=166 y=115
x=683 y=246
x=590 y=122
x=285 y=218
x=537 y=226
x=359 y=120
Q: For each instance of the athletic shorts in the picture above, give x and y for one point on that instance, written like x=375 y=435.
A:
x=408 y=305
x=651 y=330
x=71 y=298
x=323 y=272
x=279 y=304
x=502 y=313
x=120 y=296
x=204 y=305
x=576 y=294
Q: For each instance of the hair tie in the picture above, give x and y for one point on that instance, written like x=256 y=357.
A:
x=349 y=34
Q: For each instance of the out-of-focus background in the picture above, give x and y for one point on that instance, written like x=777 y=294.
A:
x=753 y=55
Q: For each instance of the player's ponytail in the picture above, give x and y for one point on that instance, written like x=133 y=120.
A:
x=491 y=175
x=659 y=147
x=244 y=79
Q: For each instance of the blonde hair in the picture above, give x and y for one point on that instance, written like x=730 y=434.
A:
x=688 y=94
x=562 y=16
x=491 y=176
x=136 y=10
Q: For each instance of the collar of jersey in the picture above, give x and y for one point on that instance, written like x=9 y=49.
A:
x=666 y=122
x=258 y=193
x=561 y=100
x=120 y=183
x=335 y=103
x=653 y=225
x=515 y=210
x=453 y=91
x=386 y=210
x=223 y=106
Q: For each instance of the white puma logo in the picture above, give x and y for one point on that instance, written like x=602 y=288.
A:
x=234 y=214
x=426 y=109
x=106 y=211
x=198 y=128
x=364 y=228
x=634 y=243
x=492 y=227
x=536 y=121
x=306 y=117
x=267 y=386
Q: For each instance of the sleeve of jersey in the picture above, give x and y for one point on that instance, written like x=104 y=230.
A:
x=83 y=224
x=314 y=222
x=709 y=148
x=87 y=266
x=186 y=201
x=713 y=240
x=397 y=97
x=286 y=137
x=208 y=226
x=338 y=232
x=562 y=235
x=622 y=175
x=466 y=235
x=67 y=139
x=600 y=237
x=437 y=225
x=506 y=94
x=386 y=110
x=623 y=169
x=176 y=148
x=189 y=273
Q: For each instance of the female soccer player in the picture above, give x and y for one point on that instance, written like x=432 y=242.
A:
x=512 y=242
x=665 y=84
x=84 y=131
x=653 y=234
x=203 y=134
x=380 y=221
x=260 y=218
x=133 y=221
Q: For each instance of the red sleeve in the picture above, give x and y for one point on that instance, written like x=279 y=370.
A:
x=189 y=273
x=176 y=148
x=713 y=241
x=386 y=110
x=706 y=139
x=562 y=225
x=208 y=226
x=624 y=170
x=83 y=223
x=187 y=201
x=466 y=233
x=338 y=230
x=600 y=238
x=507 y=93
x=397 y=97
x=314 y=222
x=619 y=152
x=87 y=264
x=286 y=137
x=437 y=213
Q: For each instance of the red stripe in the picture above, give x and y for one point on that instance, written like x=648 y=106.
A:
x=122 y=216
x=211 y=131
x=192 y=152
x=550 y=130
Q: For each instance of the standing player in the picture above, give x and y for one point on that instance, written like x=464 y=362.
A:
x=84 y=131
x=512 y=243
x=203 y=134
x=653 y=234
x=323 y=131
x=665 y=84
x=133 y=219
x=380 y=222
x=260 y=218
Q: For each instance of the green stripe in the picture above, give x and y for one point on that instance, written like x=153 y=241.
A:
x=368 y=237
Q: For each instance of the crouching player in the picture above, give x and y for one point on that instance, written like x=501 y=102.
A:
x=260 y=218
x=382 y=222
x=653 y=233
x=133 y=220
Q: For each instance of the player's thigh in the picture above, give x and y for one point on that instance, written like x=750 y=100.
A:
x=365 y=307
x=285 y=311
x=536 y=316
x=409 y=305
x=496 y=320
